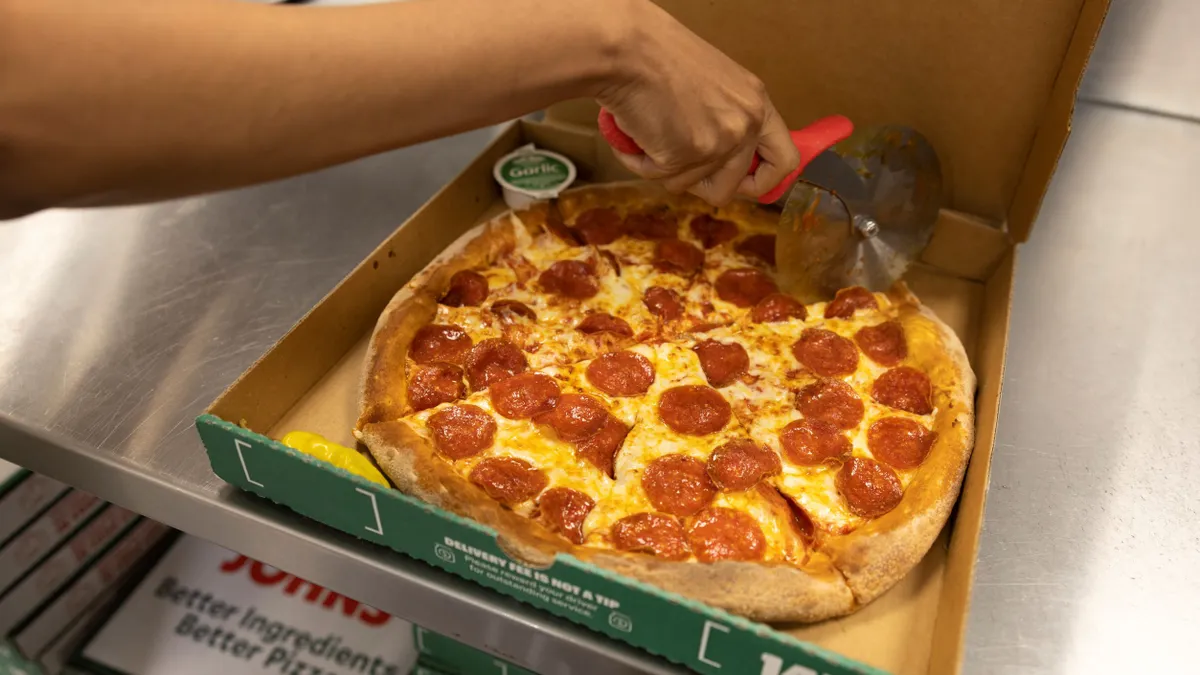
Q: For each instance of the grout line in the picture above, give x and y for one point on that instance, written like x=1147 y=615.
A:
x=1128 y=107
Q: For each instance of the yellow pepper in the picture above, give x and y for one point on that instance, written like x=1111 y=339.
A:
x=338 y=455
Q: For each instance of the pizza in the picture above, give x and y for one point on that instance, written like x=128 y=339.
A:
x=616 y=375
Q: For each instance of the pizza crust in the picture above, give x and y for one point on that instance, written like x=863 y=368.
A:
x=807 y=594
x=416 y=469
x=383 y=394
x=773 y=592
x=877 y=555
x=841 y=575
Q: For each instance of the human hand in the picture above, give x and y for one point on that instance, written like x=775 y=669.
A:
x=698 y=116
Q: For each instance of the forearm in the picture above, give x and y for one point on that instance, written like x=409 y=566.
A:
x=129 y=100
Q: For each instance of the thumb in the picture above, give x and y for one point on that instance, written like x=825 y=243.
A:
x=779 y=157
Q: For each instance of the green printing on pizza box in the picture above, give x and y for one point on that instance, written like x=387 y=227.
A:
x=703 y=638
x=12 y=663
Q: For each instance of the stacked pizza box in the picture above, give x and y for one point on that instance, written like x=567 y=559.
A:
x=64 y=555
x=202 y=609
x=440 y=655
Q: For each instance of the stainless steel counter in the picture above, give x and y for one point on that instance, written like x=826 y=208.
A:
x=1091 y=545
x=118 y=326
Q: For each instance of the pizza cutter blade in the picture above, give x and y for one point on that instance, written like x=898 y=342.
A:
x=860 y=214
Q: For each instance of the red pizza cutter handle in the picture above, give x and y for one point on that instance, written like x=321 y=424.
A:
x=811 y=141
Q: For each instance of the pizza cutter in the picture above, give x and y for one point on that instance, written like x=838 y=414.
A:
x=858 y=211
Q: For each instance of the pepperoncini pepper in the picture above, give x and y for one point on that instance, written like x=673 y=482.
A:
x=340 y=456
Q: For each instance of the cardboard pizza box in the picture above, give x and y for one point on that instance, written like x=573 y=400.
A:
x=56 y=659
x=12 y=663
x=44 y=534
x=9 y=474
x=23 y=496
x=420 y=668
x=205 y=609
x=37 y=588
x=991 y=83
x=425 y=666
x=119 y=563
x=447 y=655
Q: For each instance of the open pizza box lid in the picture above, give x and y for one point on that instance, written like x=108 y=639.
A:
x=991 y=83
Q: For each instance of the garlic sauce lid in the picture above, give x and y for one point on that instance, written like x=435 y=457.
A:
x=530 y=174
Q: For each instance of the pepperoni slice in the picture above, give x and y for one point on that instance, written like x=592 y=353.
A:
x=462 y=430
x=740 y=464
x=434 y=385
x=778 y=307
x=831 y=401
x=744 y=287
x=677 y=257
x=812 y=442
x=555 y=226
x=678 y=485
x=712 y=231
x=904 y=388
x=870 y=489
x=621 y=373
x=508 y=480
x=599 y=226
x=570 y=279
x=884 y=344
x=694 y=410
x=440 y=343
x=760 y=247
x=575 y=417
x=826 y=353
x=652 y=225
x=653 y=533
x=493 y=360
x=566 y=509
x=612 y=261
x=899 y=441
x=525 y=395
x=663 y=303
x=723 y=362
x=800 y=520
x=599 y=322
x=600 y=449
x=719 y=533
x=510 y=310
x=849 y=300
x=467 y=288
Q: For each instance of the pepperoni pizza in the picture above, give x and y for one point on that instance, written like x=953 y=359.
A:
x=616 y=375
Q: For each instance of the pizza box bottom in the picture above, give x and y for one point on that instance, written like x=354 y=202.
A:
x=309 y=381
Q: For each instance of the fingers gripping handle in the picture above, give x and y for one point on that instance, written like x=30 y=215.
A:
x=619 y=140
x=810 y=142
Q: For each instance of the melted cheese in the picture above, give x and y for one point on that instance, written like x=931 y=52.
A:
x=529 y=441
x=767 y=403
x=763 y=402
